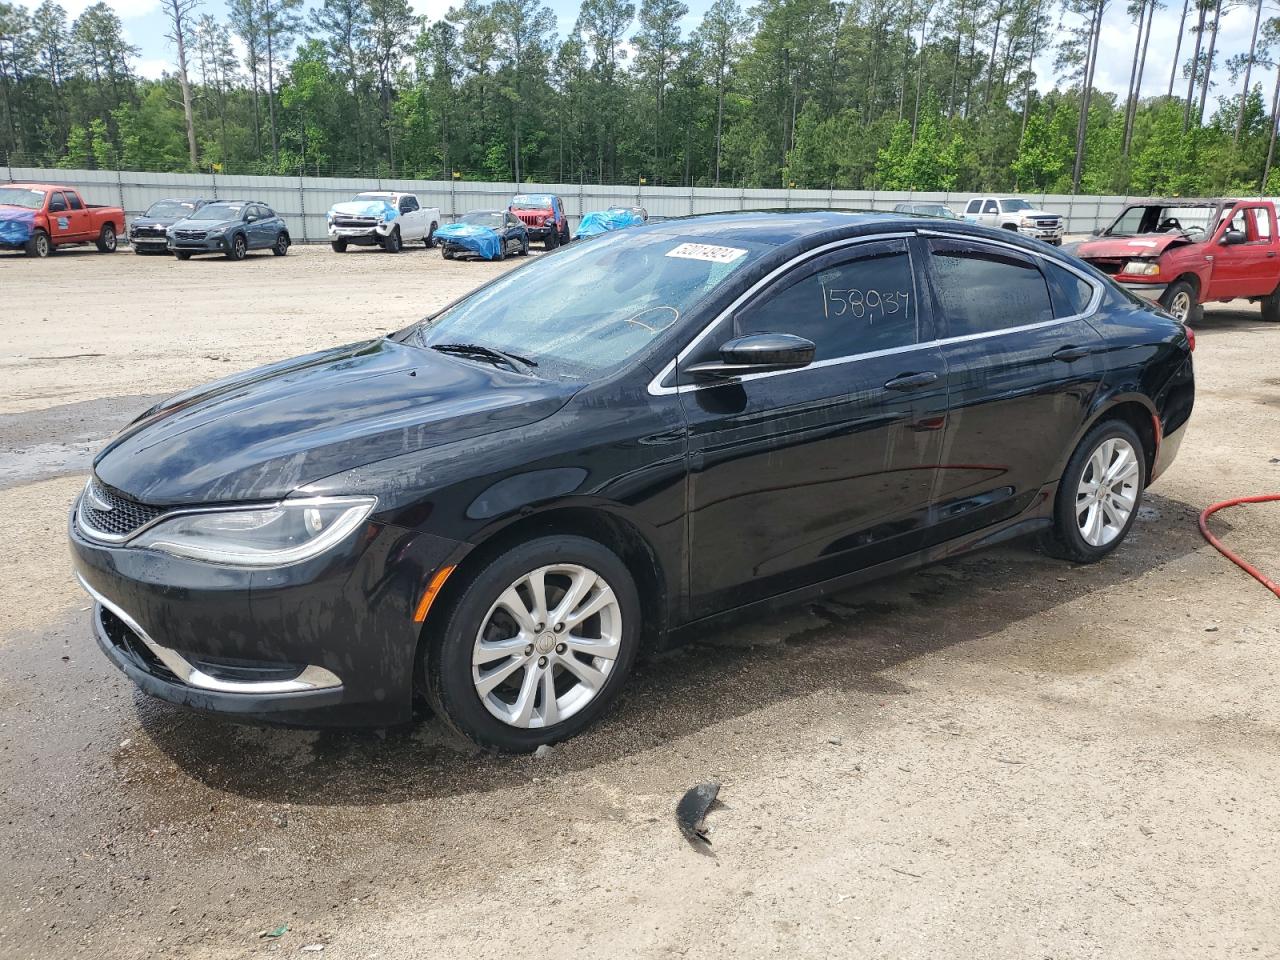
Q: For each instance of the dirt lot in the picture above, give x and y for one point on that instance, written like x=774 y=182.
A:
x=1004 y=756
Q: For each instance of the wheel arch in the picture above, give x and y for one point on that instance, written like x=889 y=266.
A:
x=1135 y=409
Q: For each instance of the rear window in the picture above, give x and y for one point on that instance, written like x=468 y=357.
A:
x=983 y=290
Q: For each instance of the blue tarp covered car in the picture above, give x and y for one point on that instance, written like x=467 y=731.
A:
x=602 y=221
x=471 y=237
x=15 y=226
x=491 y=234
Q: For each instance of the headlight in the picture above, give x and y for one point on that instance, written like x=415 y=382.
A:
x=287 y=532
x=1142 y=268
x=1028 y=222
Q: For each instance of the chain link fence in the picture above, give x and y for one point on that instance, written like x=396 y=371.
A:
x=303 y=201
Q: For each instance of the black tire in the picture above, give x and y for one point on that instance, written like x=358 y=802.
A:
x=565 y=238
x=502 y=249
x=429 y=240
x=281 y=247
x=450 y=643
x=1009 y=226
x=446 y=253
x=392 y=243
x=1271 y=306
x=339 y=246
x=182 y=254
x=39 y=245
x=524 y=247
x=1065 y=539
x=139 y=251
x=553 y=239
x=239 y=248
x=106 y=242
x=1171 y=301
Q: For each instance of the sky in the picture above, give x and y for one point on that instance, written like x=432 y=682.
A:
x=145 y=26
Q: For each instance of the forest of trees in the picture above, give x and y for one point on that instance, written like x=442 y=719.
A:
x=911 y=94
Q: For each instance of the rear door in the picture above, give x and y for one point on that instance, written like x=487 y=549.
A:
x=802 y=475
x=1023 y=365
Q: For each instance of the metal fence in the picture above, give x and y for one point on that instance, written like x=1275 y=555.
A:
x=303 y=201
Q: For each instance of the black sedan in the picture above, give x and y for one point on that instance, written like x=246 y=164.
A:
x=149 y=233
x=501 y=506
x=231 y=228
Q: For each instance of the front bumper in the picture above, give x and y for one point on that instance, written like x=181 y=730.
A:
x=1148 y=291
x=329 y=641
x=360 y=236
x=149 y=241
x=1051 y=235
x=215 y=244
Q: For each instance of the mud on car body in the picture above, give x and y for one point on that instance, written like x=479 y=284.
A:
x=612 y=446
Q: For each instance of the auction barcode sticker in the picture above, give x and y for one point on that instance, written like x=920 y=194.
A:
x=707 y=251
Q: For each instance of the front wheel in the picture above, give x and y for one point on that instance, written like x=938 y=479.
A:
x=392 y=243
x=239 y=247
x=524 y=247
x=339 y=246
x=536 y=646
x=106 y=242
x=182 y=255
x=281 y=246
x=39 y=245
x=1181 y=302
x=553 y=239
x=1099 y=494
x=446 y=253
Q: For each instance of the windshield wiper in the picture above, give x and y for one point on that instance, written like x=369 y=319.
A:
x=479 y=351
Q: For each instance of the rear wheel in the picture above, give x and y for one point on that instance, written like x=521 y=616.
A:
x=1099 y=495
x=281 y=246
x=106 y=241
x=1271 y=306
x=39 y=245
x=429 y=240
x=1181 y=301
x=537 y=645
x=339 y=246
x=239 y=247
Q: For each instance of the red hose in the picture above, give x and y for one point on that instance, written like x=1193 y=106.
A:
x=1230 y=554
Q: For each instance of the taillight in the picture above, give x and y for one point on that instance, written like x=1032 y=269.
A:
x=1191 y=338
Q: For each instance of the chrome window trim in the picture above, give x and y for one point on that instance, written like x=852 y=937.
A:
x=312 y=677
x=657 y=389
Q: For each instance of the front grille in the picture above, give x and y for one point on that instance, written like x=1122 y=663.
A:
x=1047 y=224
x=123 y=516
x=189 y=234
x=354 y=221
x=148 y=232
x=1108 y=266
x=532 y=219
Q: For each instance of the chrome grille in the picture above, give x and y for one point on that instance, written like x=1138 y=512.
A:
x=148 y=232
x=354 y=221
x=110 y=515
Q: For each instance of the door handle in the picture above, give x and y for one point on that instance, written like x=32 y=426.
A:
x=911 y=381
x=1070 y=354
x=1271 y=253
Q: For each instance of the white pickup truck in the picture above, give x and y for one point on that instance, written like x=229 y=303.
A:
x=378 y=218
x=1012 y=213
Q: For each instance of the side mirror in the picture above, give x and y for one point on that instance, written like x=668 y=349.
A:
x=757 y=353
x=1095 y=232
x=1233 y=237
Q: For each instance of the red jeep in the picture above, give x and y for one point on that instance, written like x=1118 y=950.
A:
x=39 y=217
x=1184 y=253
x=543 y=216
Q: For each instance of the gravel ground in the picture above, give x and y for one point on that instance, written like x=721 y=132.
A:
x=1001 y=756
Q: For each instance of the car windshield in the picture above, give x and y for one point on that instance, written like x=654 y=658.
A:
x=590 y=308
x=170 y=209
x=485 y=218
x=218 y=211
x=1015 y=204
x=533 y=201
x=21 y=197
x=1153 y=218
x=372 y=196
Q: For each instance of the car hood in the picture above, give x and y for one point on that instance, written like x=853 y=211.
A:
x=365 y=208
x=262 y=434
x=14 y=212
x=206 y=225
x=156 y=221
x=1143 y=245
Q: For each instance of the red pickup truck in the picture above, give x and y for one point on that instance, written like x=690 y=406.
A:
x=1185 y=253
x=39 y=217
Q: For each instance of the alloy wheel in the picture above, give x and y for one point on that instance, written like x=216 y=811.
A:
x=43 y=247
x=547 y=645
x=1108 y=492
x=1180 y=305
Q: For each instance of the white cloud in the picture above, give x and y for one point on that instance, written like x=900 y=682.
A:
x=153 y=69
x=125 y=9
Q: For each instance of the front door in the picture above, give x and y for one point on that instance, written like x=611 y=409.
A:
x=1023 y=365
x=802 y=475
x=1243 y=269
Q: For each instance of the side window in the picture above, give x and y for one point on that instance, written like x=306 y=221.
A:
x=265 y=213
x=74 y=200
x=982 y=289
x=974 y=206
x=1070 y=294
x=1262 y=229
x=408 y=204
x=513 y=220
x=57 y=203
x=990 y=207
x=850 y=302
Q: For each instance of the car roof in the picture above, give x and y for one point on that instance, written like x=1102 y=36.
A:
x=38 y=186
x=1182 y=202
